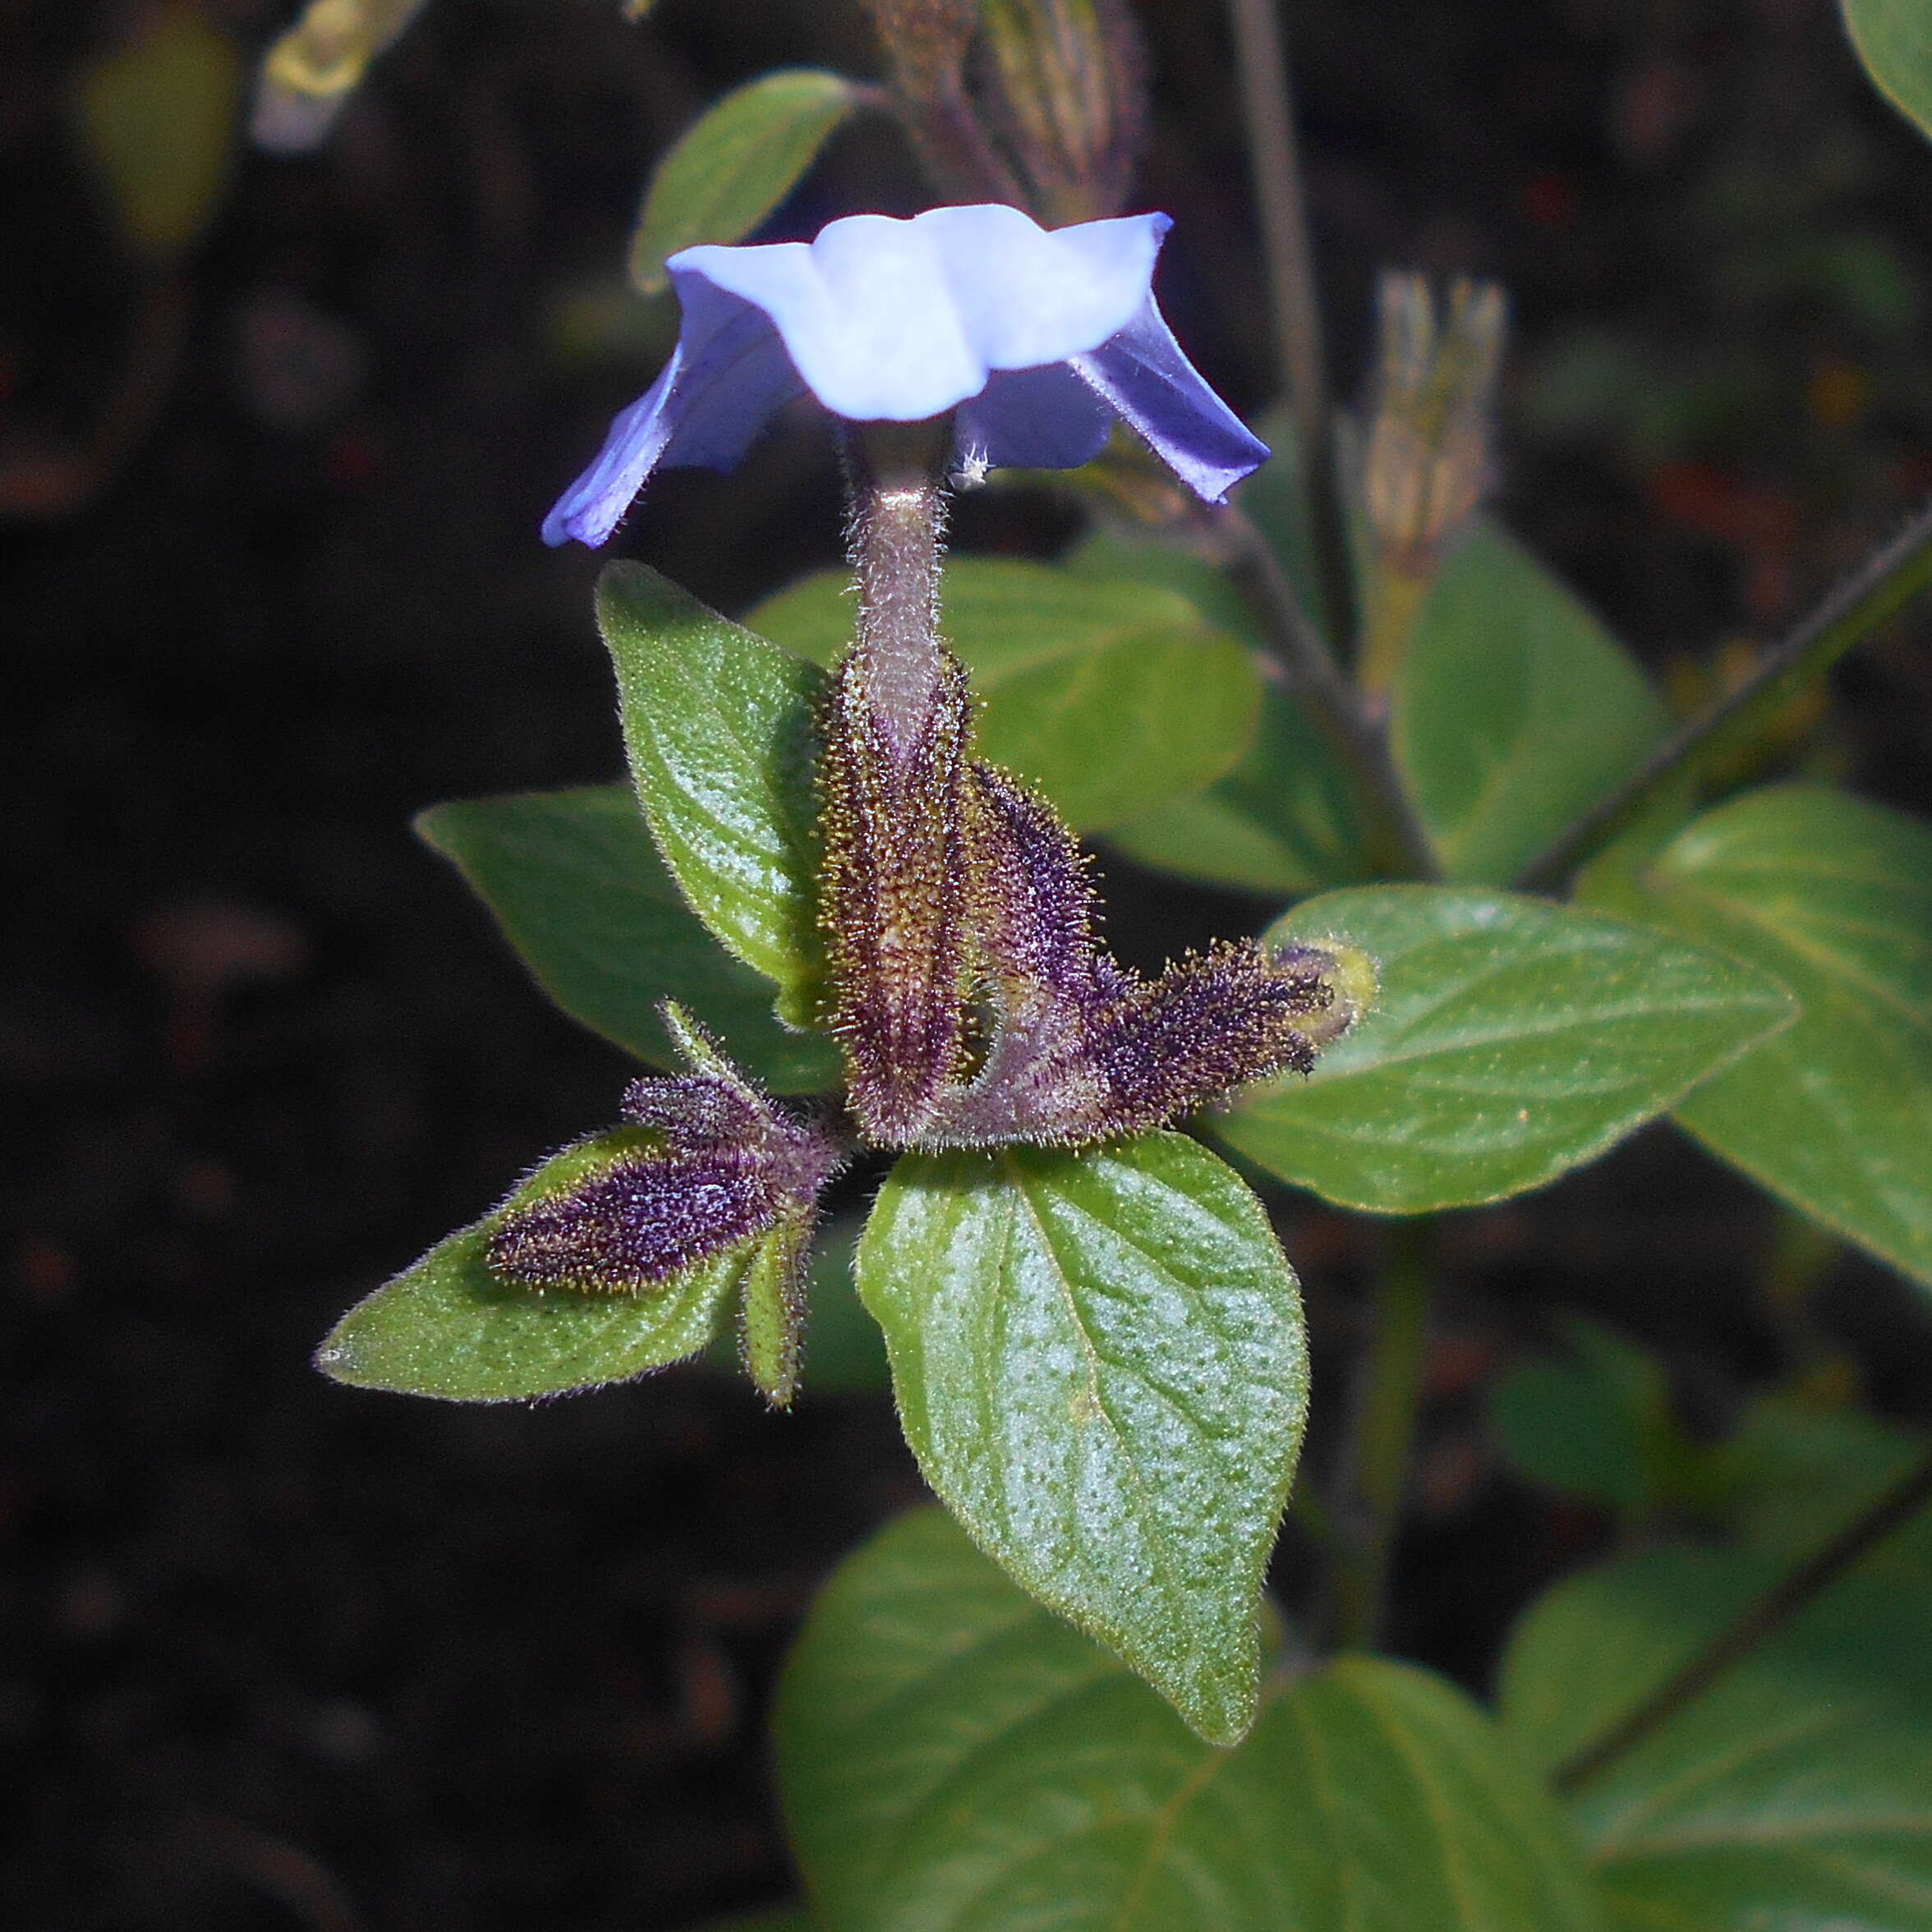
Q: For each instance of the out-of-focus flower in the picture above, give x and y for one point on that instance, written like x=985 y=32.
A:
x=1034 y=340
x=310 y=73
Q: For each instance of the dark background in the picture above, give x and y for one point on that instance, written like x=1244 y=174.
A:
x=279 y=1654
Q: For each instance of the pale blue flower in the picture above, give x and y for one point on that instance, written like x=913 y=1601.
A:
x=1035 y=339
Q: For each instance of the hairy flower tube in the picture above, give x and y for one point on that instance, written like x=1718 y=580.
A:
x=1032 y=341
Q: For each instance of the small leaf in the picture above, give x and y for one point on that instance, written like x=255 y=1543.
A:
x=1512 y=1040
x=1893 y=39
x=1099 y=1365
x=1514 y=710
x=156 y=119
x=577 y=886
x=1834 y=894
x=732 y=168
x=720 y=727
x=1791 y=1793
x=955 y=1759
x=1114 y=699
x=447 y=1327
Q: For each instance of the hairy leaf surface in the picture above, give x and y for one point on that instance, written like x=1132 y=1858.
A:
x=1099 y=1365
x=1512 y=1041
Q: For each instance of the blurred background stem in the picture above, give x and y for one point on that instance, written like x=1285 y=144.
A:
x=1373 y=1484
x=1261 y=63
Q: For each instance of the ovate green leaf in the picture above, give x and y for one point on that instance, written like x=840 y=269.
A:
x=1113 y=698
x=1894 y=40
x=1283 y=822
x=447 y=1327
x=1514 y=710
x=956 y=1760
x=719 y=728
x=1834 y=894
x=580 y=892
x=1099 y=1365
x=1512 y=1041
x=1792 y=1794
x=736 y=164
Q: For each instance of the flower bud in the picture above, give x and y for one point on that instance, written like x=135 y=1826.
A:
x=729 y=1164
x=1427 y=459
x=1084 y=1049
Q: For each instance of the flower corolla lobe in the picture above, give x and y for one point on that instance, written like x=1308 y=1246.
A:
x=1036 y=337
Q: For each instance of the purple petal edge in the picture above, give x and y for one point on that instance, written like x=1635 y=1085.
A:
x=1142 y=374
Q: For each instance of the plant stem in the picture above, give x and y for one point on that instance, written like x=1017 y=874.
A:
x=1768 y=1614
x=1261 y=60
x=1397 y=838
x=1388 y=1400
x=1882 y=586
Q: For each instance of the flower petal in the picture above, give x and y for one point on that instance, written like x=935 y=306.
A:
x=864 y=312
x=726 y=378
x=1142 y=373
x=1026 y=296
x=1030 y=419
x=899 y=320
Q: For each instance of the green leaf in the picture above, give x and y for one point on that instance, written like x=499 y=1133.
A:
x=720 y=727
x=1793 y=1793
x=155 y=118
x=1099 y=1365
x=1514 y=710
x=1597 y=1425
x=1893 y=39
x=1512 y=1041
x=1834 y=894
x=956 y=1761
x=1281 y=822
x=731 y=169
x=1798 y=1475
x=577 y=884
x=447 y=1327
x=1114 y=699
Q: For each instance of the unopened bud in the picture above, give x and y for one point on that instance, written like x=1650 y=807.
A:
x=725 y=1164
x=1427 y=461
x=310 y=73
x=1066 y=84
x=1428 y=443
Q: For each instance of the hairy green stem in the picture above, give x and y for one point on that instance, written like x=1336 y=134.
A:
x=1881 y=586
x=1388 y=1401
x=1260 y=61
x=1763 y=1619
x=1397 y=841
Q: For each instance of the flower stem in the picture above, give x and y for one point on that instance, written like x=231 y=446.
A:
x=896 y=537
x=1261 y=60
x=1388 y=1400
x=1763 y=1619
x=1397 y=840
x=1878 y=589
